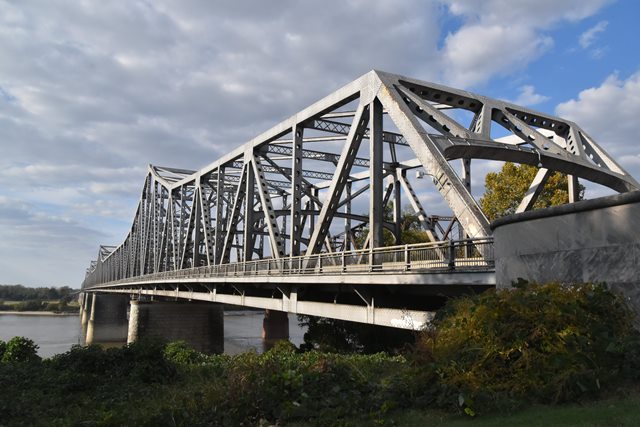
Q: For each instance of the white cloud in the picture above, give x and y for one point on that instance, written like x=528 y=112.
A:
x=589 y=37
x=609 y=113
x=540 y=13
x=499 y=37
x=529 y=97
x=477 y=52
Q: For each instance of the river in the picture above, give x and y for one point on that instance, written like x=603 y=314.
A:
x=56 y=334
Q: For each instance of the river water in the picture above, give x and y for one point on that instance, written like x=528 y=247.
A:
x=56 y=334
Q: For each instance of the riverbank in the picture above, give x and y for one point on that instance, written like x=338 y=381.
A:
x=40 y=313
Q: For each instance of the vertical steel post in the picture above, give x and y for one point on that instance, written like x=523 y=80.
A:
x=376 y=208
x=466 y=179
x=296 y=191
x=247 y=246
x=220 y=229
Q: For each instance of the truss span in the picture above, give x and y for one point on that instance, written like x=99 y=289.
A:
x=332 y=178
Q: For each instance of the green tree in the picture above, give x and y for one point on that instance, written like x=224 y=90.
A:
x=20 y=349
x=505 y=189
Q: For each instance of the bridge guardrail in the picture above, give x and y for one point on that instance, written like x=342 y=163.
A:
x=460 y=255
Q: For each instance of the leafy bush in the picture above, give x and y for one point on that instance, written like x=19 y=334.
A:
x=180 y=352
x=142 y=360
x=284 y=385
x=19 y=350
x=538 y=343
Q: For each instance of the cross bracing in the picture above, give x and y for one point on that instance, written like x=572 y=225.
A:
x=341 y=168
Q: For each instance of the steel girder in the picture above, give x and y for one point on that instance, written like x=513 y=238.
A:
x=277 y=197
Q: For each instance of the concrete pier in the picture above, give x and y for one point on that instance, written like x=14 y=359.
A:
x=201 y=325
x=85 y=312
x=108 y=319
x=275 y=325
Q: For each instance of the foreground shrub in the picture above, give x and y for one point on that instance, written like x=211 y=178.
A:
x=283 y=385
x=19 y=350
x=538 y=343
x=142 y=360
x=180 y=352
x=139 y=385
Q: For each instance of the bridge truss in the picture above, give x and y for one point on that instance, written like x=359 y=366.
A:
x=331 y=178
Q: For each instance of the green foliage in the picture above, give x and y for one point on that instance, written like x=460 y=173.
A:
x=22 y=293
x=180 y=352
x=121 y=387
x=537 y=343
x=19 y=350
x=505 y=189
x=3 y=348
x=284 y=385
x=142 y=360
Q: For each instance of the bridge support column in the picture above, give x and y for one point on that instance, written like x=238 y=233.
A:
x=201 y=325
x=108 y=319
x=275 y=325
x=85 y=312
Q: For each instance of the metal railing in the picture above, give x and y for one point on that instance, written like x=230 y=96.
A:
x=446 y=256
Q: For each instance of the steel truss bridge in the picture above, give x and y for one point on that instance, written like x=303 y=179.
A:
x=297 y=218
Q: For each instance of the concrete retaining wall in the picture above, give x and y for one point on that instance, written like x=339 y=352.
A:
x=591 y=241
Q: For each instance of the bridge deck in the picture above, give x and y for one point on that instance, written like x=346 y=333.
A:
x=397 y=286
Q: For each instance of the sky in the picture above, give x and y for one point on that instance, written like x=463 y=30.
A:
x=92 y=92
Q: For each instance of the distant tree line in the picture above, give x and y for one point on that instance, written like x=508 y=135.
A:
x=23 y=293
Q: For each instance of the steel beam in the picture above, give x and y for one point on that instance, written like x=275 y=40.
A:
x=536 y=187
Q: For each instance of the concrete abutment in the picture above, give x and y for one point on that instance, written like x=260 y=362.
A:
x=590 y=241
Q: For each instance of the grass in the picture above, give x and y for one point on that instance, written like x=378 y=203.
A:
x=616 y=411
